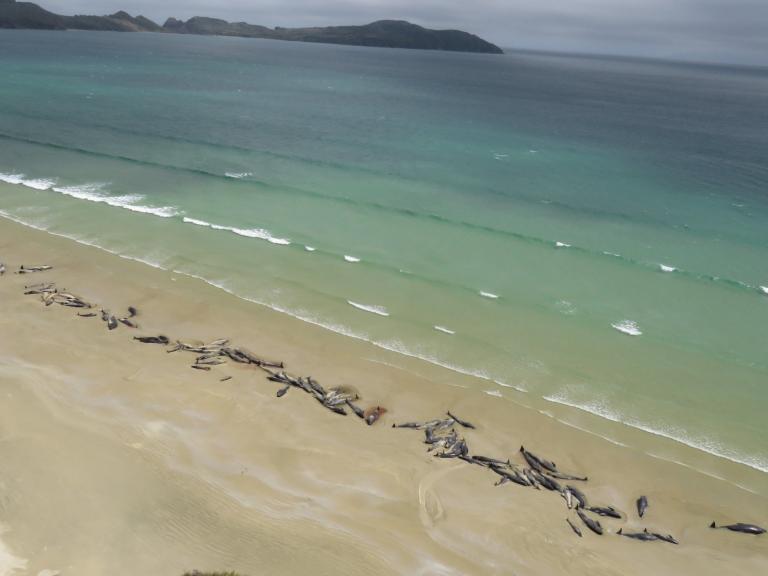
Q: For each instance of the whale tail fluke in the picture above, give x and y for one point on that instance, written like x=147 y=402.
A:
x=713 y=524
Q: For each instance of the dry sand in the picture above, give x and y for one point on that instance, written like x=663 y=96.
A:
x=117 y=458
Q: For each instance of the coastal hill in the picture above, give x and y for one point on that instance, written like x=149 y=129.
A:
x=384 y=33
x=31 y=16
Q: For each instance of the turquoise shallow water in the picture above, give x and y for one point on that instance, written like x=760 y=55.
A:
x=591 y=231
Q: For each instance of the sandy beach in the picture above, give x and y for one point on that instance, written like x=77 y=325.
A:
x=118 y=458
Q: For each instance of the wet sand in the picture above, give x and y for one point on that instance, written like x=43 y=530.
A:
x=119 y=458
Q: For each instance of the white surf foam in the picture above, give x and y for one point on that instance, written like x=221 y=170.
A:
x=380 y=310
x=444 y=330
x=562 y=245
x=352 y=259
x=628 y=327
x=196 y=222
x=612 y=254
x=36 y=183
x=490 y=295
x=310 y=248
x=9 y=564
x=495 y=393
x=11 y=178
x=565 y=307
x=665 y=268
x=259 y=233
x=764 y=289
x=163 y=211
x=238 y=175
x=39 y=183
x=94 y=192
x=519 y=387
x=678 y=435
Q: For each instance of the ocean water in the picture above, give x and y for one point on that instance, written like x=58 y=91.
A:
x=589 y=231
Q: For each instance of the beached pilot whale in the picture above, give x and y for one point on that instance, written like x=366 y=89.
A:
x=359 y=412
x=573 y=526
x=740 y=527
x=646 y=536
x=109 y=319
x=458 y=420
x=152 y=339
x=371 y=415
x=546 y=481
x=642 y=505
x=544 y=466
x=283 y=390
x=28 y=269
x=668 y=538
x=537 y=463
x=609 y=511
x=593 y=525
x=509 y=475
x=578 y=495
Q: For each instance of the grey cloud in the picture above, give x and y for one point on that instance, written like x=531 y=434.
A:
x=709 y=30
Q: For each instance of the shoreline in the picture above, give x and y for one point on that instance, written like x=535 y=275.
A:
x=702 y=450
x=361 y=479
x=613 y=428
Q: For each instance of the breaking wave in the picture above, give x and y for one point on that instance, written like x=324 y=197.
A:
x=380 y=310
x=21 y=179
x=490 y=295
x=708 y=445
x=95 y=192
x=92 y=192
x=444 y=330
x=259 y=233
x=628 y=327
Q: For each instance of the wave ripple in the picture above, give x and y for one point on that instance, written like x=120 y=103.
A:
x=380 y=310
x=259 y=233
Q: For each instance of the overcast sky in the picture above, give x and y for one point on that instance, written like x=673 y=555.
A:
x=706 y=30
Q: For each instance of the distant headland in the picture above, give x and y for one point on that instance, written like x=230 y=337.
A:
x=383 y=33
